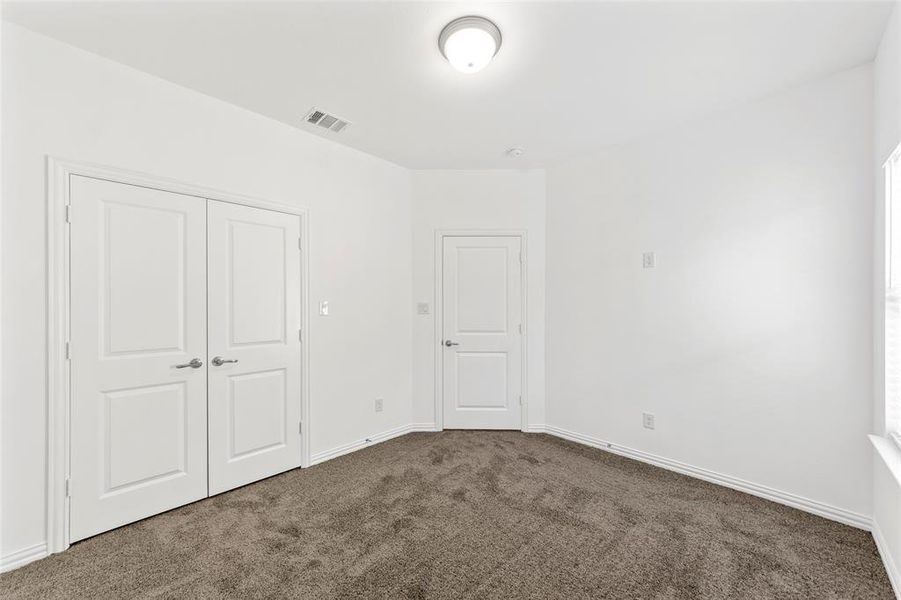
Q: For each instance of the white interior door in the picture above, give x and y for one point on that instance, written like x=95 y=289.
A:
x=482 y=332
x=254 y=326
x=138 y=312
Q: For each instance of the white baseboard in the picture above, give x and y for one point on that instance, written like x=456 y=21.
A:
x=755 y=489
x=22 y=557
x=535 y=428
x=891 y=567
x=423 y=427
x=325 y=455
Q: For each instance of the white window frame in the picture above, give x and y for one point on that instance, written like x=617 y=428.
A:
x=892 y=348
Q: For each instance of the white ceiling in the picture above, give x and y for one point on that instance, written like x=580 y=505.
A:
x=570 y=78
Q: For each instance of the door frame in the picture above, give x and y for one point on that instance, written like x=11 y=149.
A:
x=440 y=235
x=59 y=173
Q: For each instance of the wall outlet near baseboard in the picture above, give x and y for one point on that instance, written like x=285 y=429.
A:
x=647 y=420
x=379 y=404
x=649 y=260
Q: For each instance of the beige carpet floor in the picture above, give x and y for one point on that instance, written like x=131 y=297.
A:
x=469 y=515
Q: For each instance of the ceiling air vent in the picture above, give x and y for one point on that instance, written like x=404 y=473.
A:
x=326 y=121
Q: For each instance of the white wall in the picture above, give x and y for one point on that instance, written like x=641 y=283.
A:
x=476 y=200
x=751 y=341
x=64 y=102
x=887 y=136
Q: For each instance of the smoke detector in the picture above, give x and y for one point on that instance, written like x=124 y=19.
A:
x=515 y=152
x=326 y=120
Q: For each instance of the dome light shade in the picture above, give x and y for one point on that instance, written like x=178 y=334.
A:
x=469 y=43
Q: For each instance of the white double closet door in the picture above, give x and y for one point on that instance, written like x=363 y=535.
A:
x=184 y=348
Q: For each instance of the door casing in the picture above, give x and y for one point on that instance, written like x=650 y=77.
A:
x=59 y=173
x=439 y=315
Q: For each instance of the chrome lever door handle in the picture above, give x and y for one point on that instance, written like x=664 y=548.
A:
x=218 y=361
x=449 y=343
x=195 y=363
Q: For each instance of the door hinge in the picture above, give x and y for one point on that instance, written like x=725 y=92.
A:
x=68 y=488
x=68 y=213
x=300 y=427
x=300 y=335
x=68 y=350
x=520 y=400
x=520 y=258
x=520 y=329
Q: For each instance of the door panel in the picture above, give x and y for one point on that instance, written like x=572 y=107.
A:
x=482 y=318
x=256 y=280
x=254 y=304
x=481 y=380
x=145 y=435
x=138 y=304
x=481 y=296
x=258 y=407
x=144 y=258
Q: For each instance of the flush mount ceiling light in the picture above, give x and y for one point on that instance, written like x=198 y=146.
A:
x=469 y=43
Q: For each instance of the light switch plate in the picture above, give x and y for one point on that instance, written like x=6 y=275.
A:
x=649 y=260
x=323 y=308
x=422 y=308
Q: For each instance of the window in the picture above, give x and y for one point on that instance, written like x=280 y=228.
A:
x=893 y=296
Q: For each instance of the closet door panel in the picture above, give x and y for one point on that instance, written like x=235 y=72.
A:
x=138 y=308
x=254 y=272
